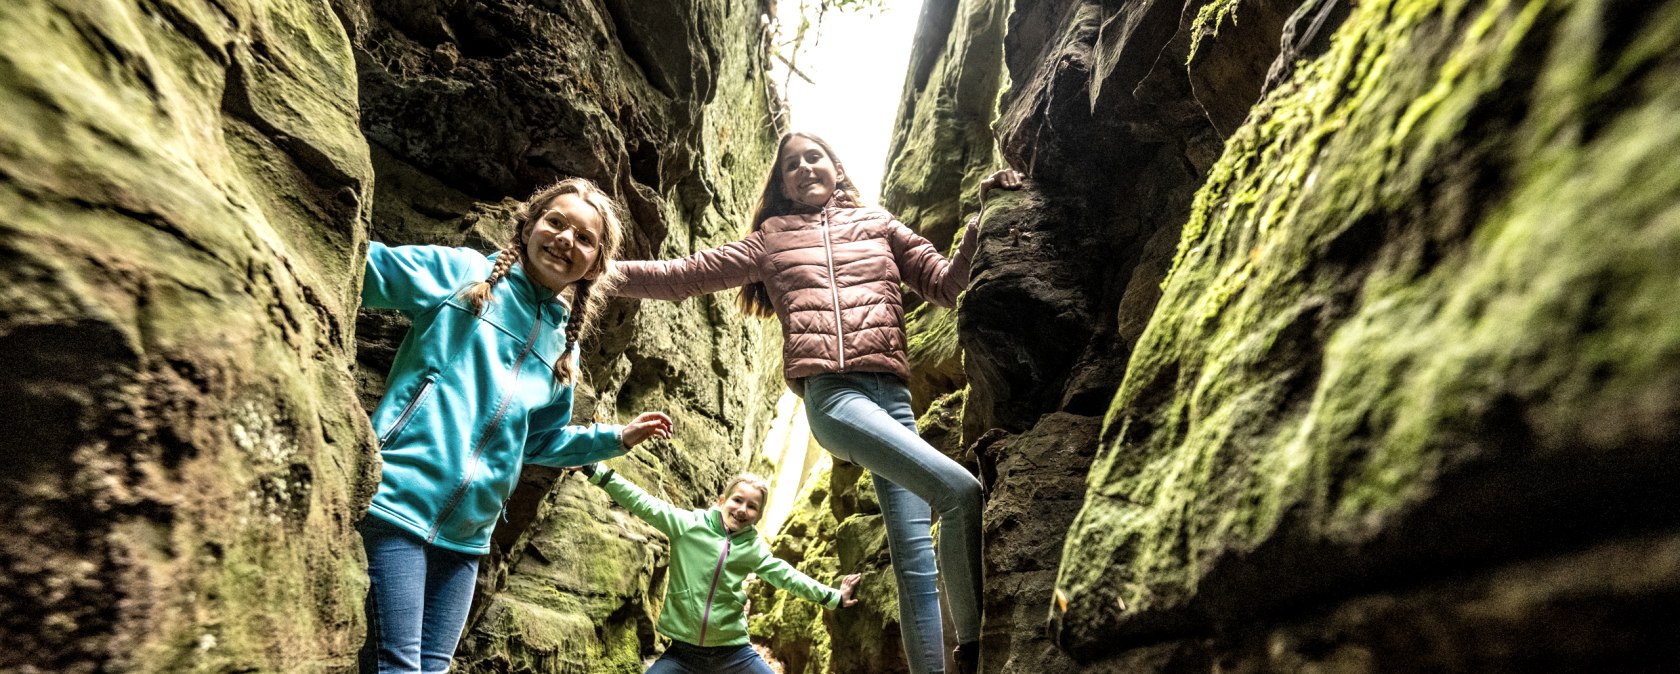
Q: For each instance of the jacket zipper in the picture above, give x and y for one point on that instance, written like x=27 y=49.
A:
x=706 y=618
x=478 y=447
x=408 y=411
x=834 y=292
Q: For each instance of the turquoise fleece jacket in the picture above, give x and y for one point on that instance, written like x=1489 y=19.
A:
x=470 y=398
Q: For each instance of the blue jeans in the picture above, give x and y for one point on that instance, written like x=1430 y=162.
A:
x=683 y=658
x=865 y=418
x=417 y=602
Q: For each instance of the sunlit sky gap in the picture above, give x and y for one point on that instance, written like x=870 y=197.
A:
x=858 y=64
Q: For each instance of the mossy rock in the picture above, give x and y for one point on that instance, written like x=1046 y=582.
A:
x=1413 y=324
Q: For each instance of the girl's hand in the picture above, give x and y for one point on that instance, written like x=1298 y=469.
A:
x=1009 y=179
x=848 y=587
x=646 y=425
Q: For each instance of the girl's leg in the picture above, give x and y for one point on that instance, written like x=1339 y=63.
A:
x=961 y=506
x=671 y=661
x=744 y=661
x=866 y=418
x=449 y=591
x=909 y=523
x=396 y=586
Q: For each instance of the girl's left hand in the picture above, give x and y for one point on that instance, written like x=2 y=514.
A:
x=646 y=425
x=848 y=587
x=1009 y=179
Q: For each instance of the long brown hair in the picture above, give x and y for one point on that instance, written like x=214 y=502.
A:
x=755 y=298
x=584 y=311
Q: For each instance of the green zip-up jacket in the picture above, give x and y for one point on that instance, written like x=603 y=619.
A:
x=471 y=396
x=704 y=602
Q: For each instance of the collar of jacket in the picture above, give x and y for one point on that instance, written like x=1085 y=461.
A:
x=554 y=309
x=714 y=520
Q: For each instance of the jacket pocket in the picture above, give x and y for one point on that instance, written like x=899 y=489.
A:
x=408 y=410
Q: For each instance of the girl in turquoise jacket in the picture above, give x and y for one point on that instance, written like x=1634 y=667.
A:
x=712 y=551
x=481 y=385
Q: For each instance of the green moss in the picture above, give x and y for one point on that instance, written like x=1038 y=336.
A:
x=1348 y=305
x=220 y=514
x=1208 y=20
x=932 y=334
x=941 y=145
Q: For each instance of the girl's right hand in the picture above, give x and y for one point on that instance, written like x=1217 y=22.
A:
x=646 y=425
x=848 y=587
x=1009 y=179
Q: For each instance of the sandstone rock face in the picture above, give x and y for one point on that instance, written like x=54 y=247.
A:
x=942 y=146
x=1348 y=324
x=1407 y=396
x=471 y=107
x=186 y=195
x=1346 y=431
x=1104 y=117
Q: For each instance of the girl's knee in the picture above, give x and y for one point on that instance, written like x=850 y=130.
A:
x=963 y=495
x=969 y=492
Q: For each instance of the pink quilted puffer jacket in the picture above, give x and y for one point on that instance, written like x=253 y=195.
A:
x=833 y=278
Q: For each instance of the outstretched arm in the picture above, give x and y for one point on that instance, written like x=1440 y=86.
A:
x=413 y=279
x=927 y=271
x=708 y=271
x=782 y=575
x=567 y=445
x=667 y=518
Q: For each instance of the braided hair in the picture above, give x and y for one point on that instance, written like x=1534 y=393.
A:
x=584 y=311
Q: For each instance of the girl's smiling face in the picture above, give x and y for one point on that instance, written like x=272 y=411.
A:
x=809 y=174
x=563 y=245
x=741 y=507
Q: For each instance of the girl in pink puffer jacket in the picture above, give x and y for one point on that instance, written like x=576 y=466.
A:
x=829 y=271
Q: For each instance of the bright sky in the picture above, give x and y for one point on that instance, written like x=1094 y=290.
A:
x=860 y=61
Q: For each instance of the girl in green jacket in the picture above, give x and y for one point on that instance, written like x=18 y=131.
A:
x=712 y=551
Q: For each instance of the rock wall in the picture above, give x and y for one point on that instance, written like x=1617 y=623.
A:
x=1403 y=389
x=185 y=195
x=1406 y=402
x=1354 y=318
x=1103 y=117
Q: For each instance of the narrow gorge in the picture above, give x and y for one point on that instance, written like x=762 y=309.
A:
x=1324 y=337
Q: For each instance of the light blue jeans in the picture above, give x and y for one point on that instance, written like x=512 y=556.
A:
x=417 y=601
x=865 y=418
